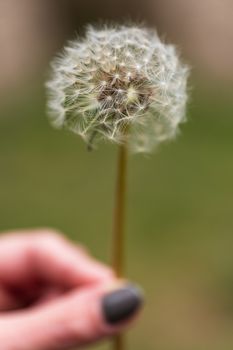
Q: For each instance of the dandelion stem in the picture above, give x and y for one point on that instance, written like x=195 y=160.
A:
x=118 y=342
x=119 y=225
x=119 y=212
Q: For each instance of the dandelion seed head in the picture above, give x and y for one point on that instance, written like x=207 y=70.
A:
x=119 y=77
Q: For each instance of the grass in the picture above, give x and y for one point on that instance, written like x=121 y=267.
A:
x=180 y=213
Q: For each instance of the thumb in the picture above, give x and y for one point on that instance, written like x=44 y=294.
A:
x=76 y=319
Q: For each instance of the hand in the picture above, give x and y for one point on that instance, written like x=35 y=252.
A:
x=53 y=295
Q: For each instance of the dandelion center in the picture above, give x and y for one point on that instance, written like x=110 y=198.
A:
x=124 y=92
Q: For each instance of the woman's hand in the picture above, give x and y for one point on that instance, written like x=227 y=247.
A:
x=53 y=295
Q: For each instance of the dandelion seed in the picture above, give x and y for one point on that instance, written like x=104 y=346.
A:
x=99 y=86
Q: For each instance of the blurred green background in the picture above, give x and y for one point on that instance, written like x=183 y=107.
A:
x=180 y=212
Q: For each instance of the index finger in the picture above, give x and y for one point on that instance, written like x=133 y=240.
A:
x=48 y=255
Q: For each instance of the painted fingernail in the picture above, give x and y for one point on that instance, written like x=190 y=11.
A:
x=121 y=304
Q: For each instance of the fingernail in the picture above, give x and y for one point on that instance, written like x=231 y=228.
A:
x=121 y=304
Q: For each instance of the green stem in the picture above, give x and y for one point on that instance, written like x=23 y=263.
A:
x=119 y=226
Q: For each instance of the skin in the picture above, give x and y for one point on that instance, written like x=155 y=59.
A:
x=50 y=293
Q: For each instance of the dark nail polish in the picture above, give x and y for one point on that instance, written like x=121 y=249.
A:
x=121 y=304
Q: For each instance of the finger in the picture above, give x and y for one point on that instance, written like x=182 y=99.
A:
x=75 y=320
x=48 y=255
x=57 y=260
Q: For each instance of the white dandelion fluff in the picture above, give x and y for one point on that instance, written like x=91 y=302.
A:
x=117 y=79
